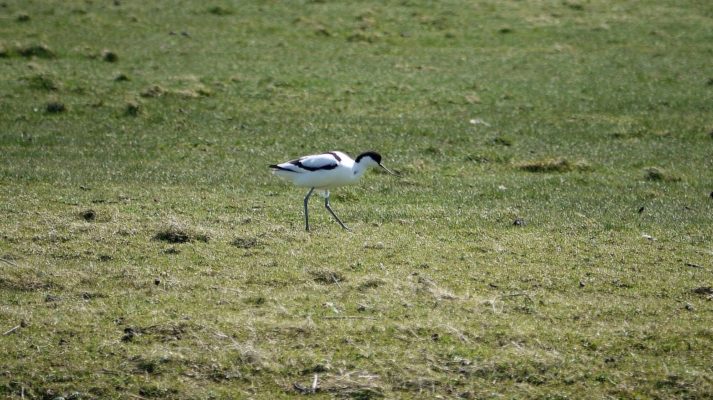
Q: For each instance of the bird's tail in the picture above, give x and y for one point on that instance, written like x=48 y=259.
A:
x=276 y=168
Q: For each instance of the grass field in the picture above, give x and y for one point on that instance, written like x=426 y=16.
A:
x=550 y=234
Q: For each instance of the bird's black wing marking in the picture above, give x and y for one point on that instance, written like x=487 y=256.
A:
x=299 y=164
x=315 y=163
x=335 y=155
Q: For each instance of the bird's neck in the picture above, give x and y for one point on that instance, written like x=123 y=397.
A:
x=359 y=170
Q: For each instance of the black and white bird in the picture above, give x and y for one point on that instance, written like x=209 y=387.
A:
x=326 y=171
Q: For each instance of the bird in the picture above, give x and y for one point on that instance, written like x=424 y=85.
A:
x=326 y=171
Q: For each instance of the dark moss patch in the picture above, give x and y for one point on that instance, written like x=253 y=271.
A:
x=36 y=50
x=26 y=284
x=704 y=290
x=245 y=243
x=178 y=234
x=132 y=109
x=364 y=37
x=202 y=237
x=553 y=165
x=55 y=107
x=502 y=141
x=220 y=11
x=574 y=6
x=88 y=215
x=110 y=56
x=43 y=81
x=173 y=235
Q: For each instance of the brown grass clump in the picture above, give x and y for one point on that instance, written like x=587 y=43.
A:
x=43 y=81
x=245 y=243
x=35 y=50
x=176 y=233
x=371 y=283
x=659 y=174
x=153 y=91
x=553 y=165
x=327 y=277
x=192 y=92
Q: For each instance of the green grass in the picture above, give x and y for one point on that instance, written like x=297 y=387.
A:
x=147 y=252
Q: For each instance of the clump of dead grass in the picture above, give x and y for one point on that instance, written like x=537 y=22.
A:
x=43 y=81
x=153 y=91
x=428 y=286
x=327 y=277
x=38 y=50
x=659 y=174
x=245 y=243
x=371 y=283
x=192 y=92
x=554 y=165
x=178 y=233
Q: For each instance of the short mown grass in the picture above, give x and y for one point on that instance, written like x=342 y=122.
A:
x=549 y=235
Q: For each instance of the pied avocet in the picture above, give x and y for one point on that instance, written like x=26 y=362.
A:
x=326 y=171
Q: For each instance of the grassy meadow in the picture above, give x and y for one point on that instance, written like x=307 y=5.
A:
x=550 y=234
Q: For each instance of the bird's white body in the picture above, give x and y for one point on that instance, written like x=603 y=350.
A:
x=326 y=171
x=323 y=171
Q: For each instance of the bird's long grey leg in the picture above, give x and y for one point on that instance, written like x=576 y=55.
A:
x=326 y=204
x=306 y=211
